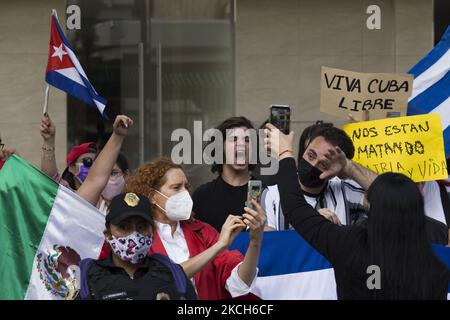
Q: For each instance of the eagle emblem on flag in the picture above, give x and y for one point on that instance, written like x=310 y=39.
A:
x=59 y=272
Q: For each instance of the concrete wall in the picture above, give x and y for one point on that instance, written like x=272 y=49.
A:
x=24 y=45
x=281 y=45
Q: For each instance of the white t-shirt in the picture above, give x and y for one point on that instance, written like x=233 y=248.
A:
x=433 y=202
x=178 y=251
x=332 y=198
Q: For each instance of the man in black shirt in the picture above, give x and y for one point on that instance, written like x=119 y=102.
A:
x=225 y=195
x=129 y=273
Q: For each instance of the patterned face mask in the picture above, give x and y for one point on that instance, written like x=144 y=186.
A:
x=132 y=248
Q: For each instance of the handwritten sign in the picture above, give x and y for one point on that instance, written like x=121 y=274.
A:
x=382 y=94
x=411 y=145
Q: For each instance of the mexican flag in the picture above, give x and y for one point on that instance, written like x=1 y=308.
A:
x=45 y=229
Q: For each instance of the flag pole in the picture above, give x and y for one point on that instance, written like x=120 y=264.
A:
x=54 y=13
x=47 y=87
x=45 y=109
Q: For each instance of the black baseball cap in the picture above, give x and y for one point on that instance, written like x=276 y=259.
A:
x=127 y=205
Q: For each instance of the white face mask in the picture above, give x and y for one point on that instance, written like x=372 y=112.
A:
x=178 y=206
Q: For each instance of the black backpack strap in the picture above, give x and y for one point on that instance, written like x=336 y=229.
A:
x=177 y=273
x=445 y=203
x=84 y=265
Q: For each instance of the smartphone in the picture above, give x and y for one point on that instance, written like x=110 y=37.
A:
x=280 y=117
x=253 y=192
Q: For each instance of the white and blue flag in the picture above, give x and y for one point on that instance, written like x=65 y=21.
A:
x=290 y=269
x=431 y=86
x=65 y=72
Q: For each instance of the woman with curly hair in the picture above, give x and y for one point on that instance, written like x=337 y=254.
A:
x=202 y=252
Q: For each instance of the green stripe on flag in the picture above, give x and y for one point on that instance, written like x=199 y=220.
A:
x=26 y=200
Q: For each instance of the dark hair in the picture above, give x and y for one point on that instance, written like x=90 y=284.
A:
x=230 y=123
x=337 y=137
x=398 y=242
x=69 y=177
x=307 y=135
x=122 y=163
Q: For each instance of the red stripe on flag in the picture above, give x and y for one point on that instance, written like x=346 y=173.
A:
x=58 y=58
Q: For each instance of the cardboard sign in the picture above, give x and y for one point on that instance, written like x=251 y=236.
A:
x=381 y=94
x=411 y=145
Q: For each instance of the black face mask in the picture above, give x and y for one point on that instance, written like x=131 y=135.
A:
x=309 y=175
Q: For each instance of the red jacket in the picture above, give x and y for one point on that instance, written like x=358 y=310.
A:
x=210 y=282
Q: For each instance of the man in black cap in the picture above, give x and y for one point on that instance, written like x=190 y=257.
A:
x=128 y=273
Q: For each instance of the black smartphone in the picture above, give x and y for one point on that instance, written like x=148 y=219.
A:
x=280 y=117
x=254 y=191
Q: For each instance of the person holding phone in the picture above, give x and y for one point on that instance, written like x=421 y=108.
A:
x=340 y=201
x=128 y=273
x=280 y=117
x=394 y=241
x=214 y=201
x=202 y=252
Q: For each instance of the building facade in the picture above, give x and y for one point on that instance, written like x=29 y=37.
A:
x=168 y=63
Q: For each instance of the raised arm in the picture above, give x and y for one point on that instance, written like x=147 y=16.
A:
x=100 y=171
x=48 y=160
x=255 y=219
x=339 y=165
x=363 y=176
x=325 y=236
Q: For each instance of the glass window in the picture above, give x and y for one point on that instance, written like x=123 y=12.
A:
x=164 y=63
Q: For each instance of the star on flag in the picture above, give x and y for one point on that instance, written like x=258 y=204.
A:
x=59 y=52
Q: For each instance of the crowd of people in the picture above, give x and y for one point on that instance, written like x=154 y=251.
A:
x=159 y=239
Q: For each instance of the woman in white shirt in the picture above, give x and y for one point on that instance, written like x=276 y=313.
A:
x=218 y=273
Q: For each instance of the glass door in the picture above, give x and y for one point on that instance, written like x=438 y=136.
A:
x=164 y=63
x=191 y=72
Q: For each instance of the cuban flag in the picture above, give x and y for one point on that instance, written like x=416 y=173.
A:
x=431 y=86
x=64 y=71
x=290 y=269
